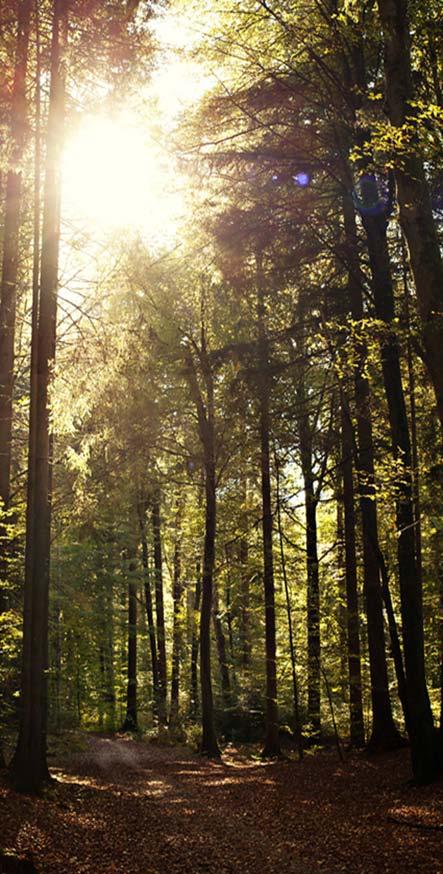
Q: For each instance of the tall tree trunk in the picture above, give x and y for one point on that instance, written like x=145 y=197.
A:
x=423 y=737
x=109 y=657
x=394 y=636
x=193 y=709
x=228 y=600
x=245 y=620
x=272 y=743
x=438 y=546
x=222 y=654
x=102 y=686
x=313 y=592
x=206 y=421
x=311 y=497
x=357 y=732
x=295 y=698
x=384 y=734
x=8 y=291
x=141 y=509
x=130 y=722
x=177 y=631
x=57 y=619
x=341 y=606
x=414 y=200
x=209 y=744
x=159 y=608
x=413 y=420
x=30 y=767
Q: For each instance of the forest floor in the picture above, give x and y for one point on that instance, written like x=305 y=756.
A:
x=125 y=806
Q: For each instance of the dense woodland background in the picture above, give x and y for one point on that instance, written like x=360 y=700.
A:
x=221 y=476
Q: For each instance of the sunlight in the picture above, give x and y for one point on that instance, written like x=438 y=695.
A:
x=119 y=168
x=114 y=176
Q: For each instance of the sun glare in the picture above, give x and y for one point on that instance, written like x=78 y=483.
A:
x=115 y=177
x=116 y=174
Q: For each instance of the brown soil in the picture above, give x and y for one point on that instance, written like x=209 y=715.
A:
x=123 y=806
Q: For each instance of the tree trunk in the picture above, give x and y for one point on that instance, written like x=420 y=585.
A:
x=414 y=200
x=101 y=688
x=438 y=540
x=419 y=719
x=206 y=415
x=30 y=768
x=313 y=593
x=228 y=601
x=109 y=657
x=209 y=744
x=413 y=420
x=193 y=709
x=177 y=630
x=245 y=635
x=393 y=633
x=222 y=654
x=357 y=732
x=8 y=289
x=305 y=436
x=130 y=722
x=159 y=609
x=384 y=734
x=272 y=743
x=141 y=509
x=341 y=605
x=295 y=700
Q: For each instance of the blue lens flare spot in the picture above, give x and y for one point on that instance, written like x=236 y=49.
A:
x=303 y=179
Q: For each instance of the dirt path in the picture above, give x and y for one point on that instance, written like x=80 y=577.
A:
x=122 y=806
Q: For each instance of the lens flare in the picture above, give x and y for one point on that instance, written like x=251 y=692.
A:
x=302 y=179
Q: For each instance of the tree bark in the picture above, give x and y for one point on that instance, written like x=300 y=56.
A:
x=8 y=291
x=222 y=654
x=413 y=195
x=30 y=767
x=245 y=621
x=177 y=631
x=295 y=699
x=419 y=720
x=357 y=733
x=206 y=421
x=271 y=747
x=159 y=608
x=130 y=721
x=141 y=509
x=313 y=592
x=109 y=657
x=194 y=703
x=209 y=744
x=341 y=605
x=228 y=601
x=413 y=419
x=384 y=734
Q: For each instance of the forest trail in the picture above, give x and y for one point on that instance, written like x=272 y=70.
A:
x=124 y=806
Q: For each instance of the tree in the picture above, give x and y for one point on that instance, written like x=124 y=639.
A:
x=130 y=721
x=30 y=768
x=161 y=636
x=412 y=187
x=197 y=357
x=272 y=744
x=10 y=264
x=352 y=607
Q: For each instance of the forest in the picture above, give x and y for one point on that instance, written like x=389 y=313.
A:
x=221 y=414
